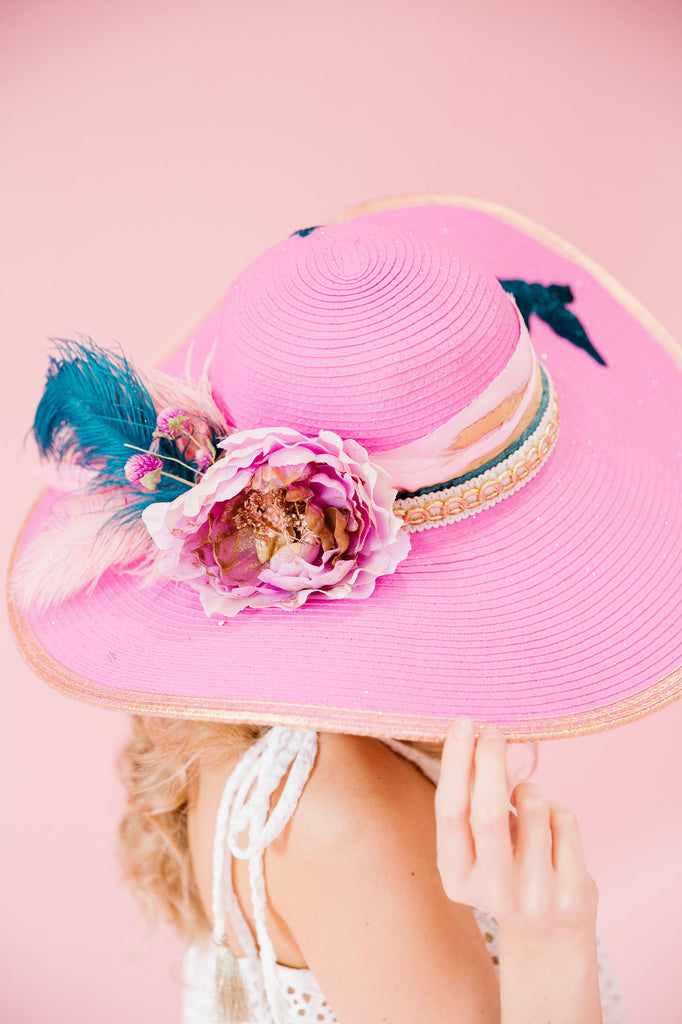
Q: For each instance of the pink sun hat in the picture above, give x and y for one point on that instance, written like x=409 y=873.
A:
x=384 y=503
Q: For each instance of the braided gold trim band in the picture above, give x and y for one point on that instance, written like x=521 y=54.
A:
x=466 y=499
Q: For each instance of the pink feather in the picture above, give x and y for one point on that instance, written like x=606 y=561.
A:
x=65 y=476
x=72 y=553
x=194 y=398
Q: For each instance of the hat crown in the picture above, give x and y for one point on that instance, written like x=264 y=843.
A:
x=349 y=262
x=379 y=334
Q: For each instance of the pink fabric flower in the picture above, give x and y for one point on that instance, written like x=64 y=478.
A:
x=279 y=517
x=144 y=470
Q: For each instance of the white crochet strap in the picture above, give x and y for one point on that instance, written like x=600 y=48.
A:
x=428 y=764
x=245 y=808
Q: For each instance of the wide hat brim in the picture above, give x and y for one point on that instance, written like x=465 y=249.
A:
x=554 y=613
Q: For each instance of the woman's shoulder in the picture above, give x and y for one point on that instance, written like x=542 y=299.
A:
x=365 y=813
x=358 y=784
x=357 y=811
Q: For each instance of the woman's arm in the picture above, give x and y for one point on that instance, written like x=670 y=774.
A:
x=529 y=872
x=355 y=879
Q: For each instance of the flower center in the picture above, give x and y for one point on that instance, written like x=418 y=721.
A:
x=269 y=514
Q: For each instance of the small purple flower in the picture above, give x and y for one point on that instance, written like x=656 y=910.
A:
x=144 y=470
x=277 y=518
x=173 y=422
x=203 y=459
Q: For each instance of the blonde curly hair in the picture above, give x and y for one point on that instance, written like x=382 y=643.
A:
x=159 y=767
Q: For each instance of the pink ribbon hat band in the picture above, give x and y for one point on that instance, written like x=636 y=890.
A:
x=383 y=502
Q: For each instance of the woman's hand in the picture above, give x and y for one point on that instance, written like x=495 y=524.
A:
x=526 y=869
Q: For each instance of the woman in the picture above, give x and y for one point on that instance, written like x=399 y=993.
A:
x=376 y=450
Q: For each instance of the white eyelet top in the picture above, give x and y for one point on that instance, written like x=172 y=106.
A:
x=277 y=994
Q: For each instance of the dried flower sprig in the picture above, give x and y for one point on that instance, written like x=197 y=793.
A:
x=172 y=423
x=145 y=469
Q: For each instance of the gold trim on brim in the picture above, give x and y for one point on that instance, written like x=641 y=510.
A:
x=358 y=721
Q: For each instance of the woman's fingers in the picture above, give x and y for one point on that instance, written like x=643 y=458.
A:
x=526 y=868
x=456 y=851
x=490 y=808
x=568 y=855
x=577 y=893
x=567 y=850
x=533 y=847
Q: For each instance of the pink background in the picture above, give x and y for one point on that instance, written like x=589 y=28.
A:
x=149 y=151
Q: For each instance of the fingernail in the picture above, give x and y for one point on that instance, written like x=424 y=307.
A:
x=491 y=733
x=463 y=727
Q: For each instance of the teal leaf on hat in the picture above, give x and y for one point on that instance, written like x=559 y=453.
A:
x=549 y=303
x=303 y=232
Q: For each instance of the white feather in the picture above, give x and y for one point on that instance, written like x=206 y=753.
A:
x=74 y=549
x=65 y=476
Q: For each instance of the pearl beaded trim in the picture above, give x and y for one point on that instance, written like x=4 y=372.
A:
x=460 y=501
